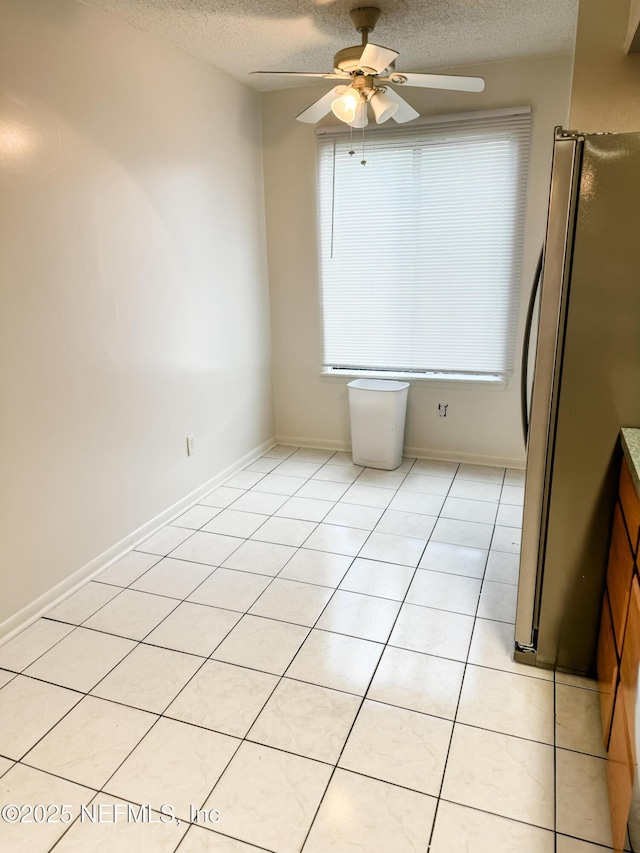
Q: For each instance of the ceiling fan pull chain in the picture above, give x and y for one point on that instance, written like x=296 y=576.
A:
x=351 y=150
x=363 y=162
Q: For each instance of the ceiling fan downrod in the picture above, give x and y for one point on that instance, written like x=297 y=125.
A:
x=364 y=19
x=347 y=60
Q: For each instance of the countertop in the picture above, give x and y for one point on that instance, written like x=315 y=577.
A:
x=630 y=439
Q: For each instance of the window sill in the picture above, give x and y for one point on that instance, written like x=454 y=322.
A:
x=462 y=380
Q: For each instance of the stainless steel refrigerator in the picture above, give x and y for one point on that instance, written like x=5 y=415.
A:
x=586 y=386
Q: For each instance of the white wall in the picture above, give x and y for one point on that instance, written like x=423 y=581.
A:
x=134 y=303
x=481 y=424
x=605 y=94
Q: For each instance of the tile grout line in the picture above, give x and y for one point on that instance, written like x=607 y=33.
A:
x=90 y=695
x=281 y=677
x=299 y=580
x=455 y=716
x=364 y=696
x=403 y=648
x=138 y=643
x=161 y=714
x=215 y=569
x=302 y=681
x=279 y=681
x=143 y=639
x=282 y=749
x=385 y=645
x=329 y=524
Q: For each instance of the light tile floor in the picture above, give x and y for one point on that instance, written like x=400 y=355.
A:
x=316 y=655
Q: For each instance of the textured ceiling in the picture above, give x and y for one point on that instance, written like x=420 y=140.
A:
x=239 y=36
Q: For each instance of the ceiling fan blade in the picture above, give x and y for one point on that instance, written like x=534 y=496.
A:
x=331 y=76
x=319 y=108
x=377 y=58
x=436 y=81
x=405 y=111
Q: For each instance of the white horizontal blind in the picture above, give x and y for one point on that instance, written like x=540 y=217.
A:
x=421 y=249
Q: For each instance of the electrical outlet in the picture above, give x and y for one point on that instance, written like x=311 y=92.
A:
x=442 y=409
x=191 y=448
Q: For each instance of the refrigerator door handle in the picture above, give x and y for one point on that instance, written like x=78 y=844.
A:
x=524 y=369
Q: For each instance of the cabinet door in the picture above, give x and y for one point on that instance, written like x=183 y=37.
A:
x=619 y=776
x=607 y=669
x=630 y=661
x=619 y=574
x=630 y=504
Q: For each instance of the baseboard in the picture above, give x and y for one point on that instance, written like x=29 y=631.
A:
x=469 y=458
x=314 y=443
x=20 y=620
x=414 y=452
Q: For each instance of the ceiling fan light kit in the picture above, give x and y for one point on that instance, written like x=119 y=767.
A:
x=368 y=70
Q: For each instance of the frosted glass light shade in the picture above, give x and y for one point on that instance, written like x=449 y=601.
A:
x=346 y=106
x=361 y=119
x=382 y=105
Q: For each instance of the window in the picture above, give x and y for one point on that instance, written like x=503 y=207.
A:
x=421 y=248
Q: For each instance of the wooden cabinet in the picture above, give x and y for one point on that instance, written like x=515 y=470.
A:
x=619 y=574
x=630 y=504
x=607 y=669
x=619 y=654
x=630 y=659
x=619 y=776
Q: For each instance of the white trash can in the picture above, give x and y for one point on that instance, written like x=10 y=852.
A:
x=377 y=408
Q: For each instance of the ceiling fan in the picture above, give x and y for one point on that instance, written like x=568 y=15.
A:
x=367 y=72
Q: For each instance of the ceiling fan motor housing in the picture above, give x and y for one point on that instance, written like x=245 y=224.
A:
x=364 y=18
x=348 y=59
